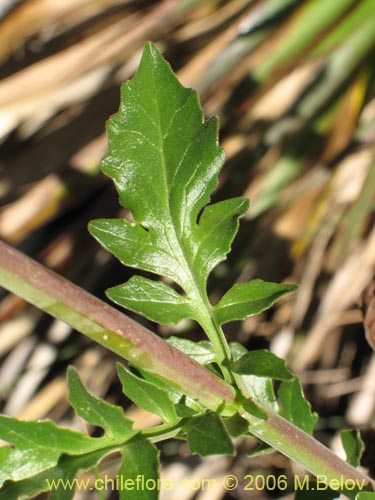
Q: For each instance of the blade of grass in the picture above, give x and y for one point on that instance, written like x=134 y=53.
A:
x=349 y=24
x=338 y=69
x=310 y=21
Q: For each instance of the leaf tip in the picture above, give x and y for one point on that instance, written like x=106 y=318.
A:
x=151 y=54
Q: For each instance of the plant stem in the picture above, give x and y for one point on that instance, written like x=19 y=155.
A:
x=110 y=328
x=307 y=451
x=216 y=335
x=114 y=330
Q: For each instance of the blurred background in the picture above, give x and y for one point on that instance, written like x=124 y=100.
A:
x=292 y=82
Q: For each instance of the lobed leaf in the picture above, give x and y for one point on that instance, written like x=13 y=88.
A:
x=247 y=299
x=164 y=160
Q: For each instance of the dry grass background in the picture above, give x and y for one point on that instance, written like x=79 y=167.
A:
x=293 y=84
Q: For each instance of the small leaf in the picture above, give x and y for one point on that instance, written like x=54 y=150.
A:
x=216 y=221
x=249 y=298
x=262 y=363
x=139 y=471
x=55 y=479
x=353 y=446
x=173 y=395
x=39 y=445
x=294 y=406
x=184 y=405
x=258 y=388
x=96 y=411
x=207 y=435
x=236 y=425
x=261 y=389
x=136 y=247
x=154 y=299
x=26 y=435
x=147 y=395
x=183 y=410
x=200 y=351
x=251 y=407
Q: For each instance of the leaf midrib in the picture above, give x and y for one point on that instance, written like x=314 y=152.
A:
x=178 y=251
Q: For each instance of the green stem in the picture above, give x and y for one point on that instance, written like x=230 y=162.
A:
x=216 y=335
x=162 y=432
x=110 y=328
x=205 y=316
x=224 y=361
x=307 y=451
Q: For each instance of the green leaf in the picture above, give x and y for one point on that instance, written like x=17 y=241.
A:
x=353 y=446
x=217 y=221
x=139 y=471
x=258 y=388
x=207 y=435
x=147 y=395
x=173 y=395
x=184 y=405
x=184 y=410
x=39 y=445
x=200 y=351
x=251 y=407
x=250 y=298
x=262 y=363
x=154 y=299
x=59 y=480
x=236 y=425
x=294 y=406
x=5 y=456
x=96 y=411
x=164 y=160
